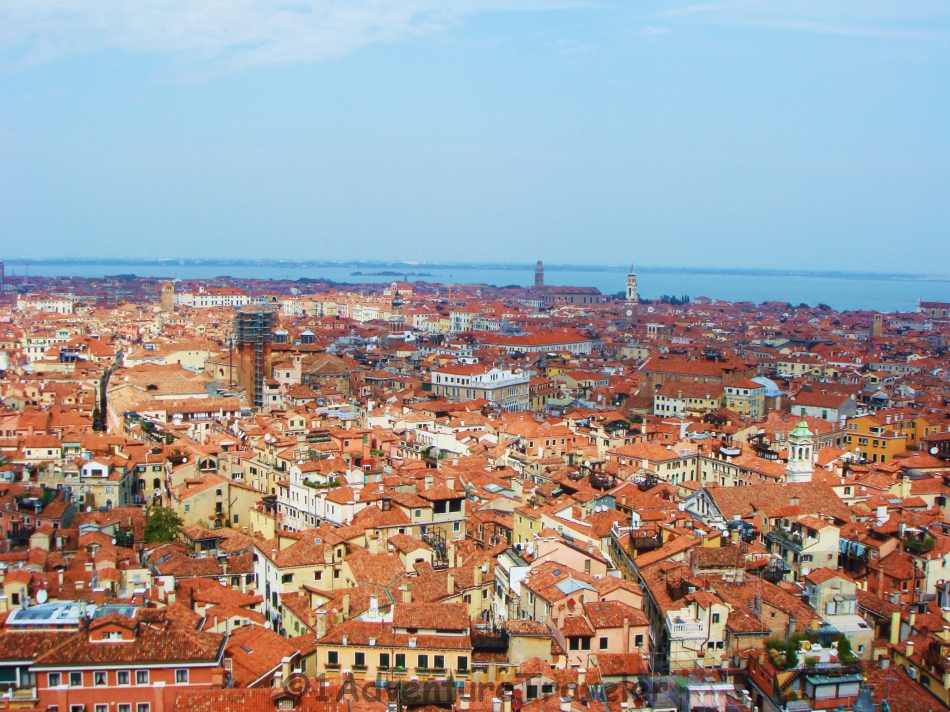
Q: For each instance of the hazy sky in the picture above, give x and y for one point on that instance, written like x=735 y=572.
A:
x=801 y=133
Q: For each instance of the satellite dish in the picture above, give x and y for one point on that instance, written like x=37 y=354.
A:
x=41 y=596
x=934 y=450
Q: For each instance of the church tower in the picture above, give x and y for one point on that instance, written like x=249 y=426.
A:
x=397 y=320
x=801 y=447
x=168 y=297
x=539 y=275
x=632 y=297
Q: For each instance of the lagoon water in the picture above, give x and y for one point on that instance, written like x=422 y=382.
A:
x=841 y=293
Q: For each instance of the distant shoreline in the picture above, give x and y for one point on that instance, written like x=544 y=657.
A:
x=394 y=271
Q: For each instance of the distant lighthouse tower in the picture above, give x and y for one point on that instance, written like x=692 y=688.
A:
x=539 y=275
x=632 y=297
x=801 y=446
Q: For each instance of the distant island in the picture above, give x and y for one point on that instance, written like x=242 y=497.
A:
x=390 y=273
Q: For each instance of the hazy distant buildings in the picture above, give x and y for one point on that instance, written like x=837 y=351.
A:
x=214 y=298
x=939 y=310
x=46 y=303
x=542 y=296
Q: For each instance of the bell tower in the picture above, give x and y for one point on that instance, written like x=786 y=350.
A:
x=539 y=275
x=632 y=297
x=168 y=297
x=801 y=447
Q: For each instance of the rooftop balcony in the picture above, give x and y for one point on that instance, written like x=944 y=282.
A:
x=685 y=628
x=789 y=540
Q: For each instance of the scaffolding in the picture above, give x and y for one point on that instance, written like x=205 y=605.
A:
x=254 y=333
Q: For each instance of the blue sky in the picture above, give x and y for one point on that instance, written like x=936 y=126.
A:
x=807 y=134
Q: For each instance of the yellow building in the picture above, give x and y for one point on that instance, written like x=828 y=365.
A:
x=424 y=641
x=877 y=437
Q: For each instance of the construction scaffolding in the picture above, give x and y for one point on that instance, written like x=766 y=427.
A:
x=254 y=335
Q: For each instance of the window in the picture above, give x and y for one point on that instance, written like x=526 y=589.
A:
x=603 y=642
x=715 y=618
x=125 y=708
x=75 y=679
x=53 y=679
x=122 y=677
x=142 y=707
x=99 y=678
x=141 y=677
x=462 y=663
x=77 y=708
x=585 y=643
x=317 y=575
x=181 y=677
x=440 y=662
x=333 y=658
x=287 y=578
x=423 y=662
x=401 y=661
x=102 y=708
x=638 y=641
x=359 y=660
x=384 y=660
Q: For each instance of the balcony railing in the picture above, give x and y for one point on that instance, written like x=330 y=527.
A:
x=684 y=629
x=790 y=540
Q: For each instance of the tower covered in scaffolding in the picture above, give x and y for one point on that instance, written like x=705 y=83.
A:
x=254 y=336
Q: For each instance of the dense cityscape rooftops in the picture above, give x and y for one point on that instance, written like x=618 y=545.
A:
x=273 y=495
